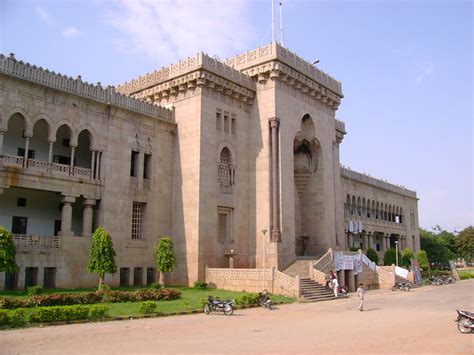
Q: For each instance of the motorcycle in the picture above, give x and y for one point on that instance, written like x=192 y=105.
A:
x=465 y=321
x=216 y=305
x=401 y=286
x=342 y=290
x=264 y=300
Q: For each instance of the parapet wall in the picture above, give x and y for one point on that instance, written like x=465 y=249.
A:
x=25 y=71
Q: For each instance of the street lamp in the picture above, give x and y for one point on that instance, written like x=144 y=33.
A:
x=264 y=231
x=396 y=252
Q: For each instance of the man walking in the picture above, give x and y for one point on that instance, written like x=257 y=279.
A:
x=361 y=293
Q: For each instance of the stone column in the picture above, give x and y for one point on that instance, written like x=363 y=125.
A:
x=92 y=164
x=370 y=240
x=27 y=147
x=50 y=153
x=66 y=216
x=73 y=149
x=365 y=241
x=87 y=217
x=275 y=188
x=97 y=165
x=350 y=282
x=351 y=240
x=2 y=133
x=387 y=241
x=140 y=165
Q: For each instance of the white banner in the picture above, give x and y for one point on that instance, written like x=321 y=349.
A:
x=401 y=272
x=347 y=262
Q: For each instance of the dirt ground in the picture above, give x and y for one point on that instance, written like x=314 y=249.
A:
x=419 y=321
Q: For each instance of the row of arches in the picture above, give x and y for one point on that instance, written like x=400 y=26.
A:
x=373 y=209
x=65 y=148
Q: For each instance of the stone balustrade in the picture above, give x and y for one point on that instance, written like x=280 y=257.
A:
x=109 y=96
x=36 y=241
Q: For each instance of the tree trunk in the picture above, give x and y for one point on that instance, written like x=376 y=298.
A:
x=100 y=280
x=162 y=278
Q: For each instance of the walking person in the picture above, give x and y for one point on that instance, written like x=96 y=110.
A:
x=335 y=283
x=361 y=293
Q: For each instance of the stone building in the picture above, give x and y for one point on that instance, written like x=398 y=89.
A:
x=236 y=157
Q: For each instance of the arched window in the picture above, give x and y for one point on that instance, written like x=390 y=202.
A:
x=225 y=171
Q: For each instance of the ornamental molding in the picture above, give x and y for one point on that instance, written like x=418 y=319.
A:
x=199 y=62
x=275 y=51
x=169 y=91
x=276 y=71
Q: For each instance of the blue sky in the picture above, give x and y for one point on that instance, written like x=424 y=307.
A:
x=406 y=68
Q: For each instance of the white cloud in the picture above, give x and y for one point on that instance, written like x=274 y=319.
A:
x=71 y=32
x=168 y=30
x=43 y=14
x=427 y=69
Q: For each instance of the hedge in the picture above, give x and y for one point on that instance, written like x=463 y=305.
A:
x=69 y=299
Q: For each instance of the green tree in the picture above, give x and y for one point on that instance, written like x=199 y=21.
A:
x=101 y=255
x=390 y=257
x=407 y=256
x=437 y=246
x=423 y=260
x=372 y=255
x=465 y=243
x=7 y=251
x=165 y=257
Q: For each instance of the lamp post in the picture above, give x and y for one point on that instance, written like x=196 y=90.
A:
x=396 y=252
x=264 y=231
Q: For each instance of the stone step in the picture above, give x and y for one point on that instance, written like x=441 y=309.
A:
x=311 y=291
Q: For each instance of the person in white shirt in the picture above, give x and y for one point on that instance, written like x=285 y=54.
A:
x=361 y=293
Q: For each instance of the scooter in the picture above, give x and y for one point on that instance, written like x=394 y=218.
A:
x=401 y=286
x=264 y=300
x=465 y=321
x=216 y=305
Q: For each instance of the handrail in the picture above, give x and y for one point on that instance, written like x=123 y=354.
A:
x=318 y=265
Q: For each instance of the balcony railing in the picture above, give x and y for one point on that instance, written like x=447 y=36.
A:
x=14 y=161
x=32 y=241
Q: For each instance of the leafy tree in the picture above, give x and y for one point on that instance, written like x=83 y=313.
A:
x=7 y=251
x=390 y=257
x=101 y=255
x=407 y=256
x=465 y=243
x=165 y=257
x=437 y=246
x=372 y=255
x=423 y=260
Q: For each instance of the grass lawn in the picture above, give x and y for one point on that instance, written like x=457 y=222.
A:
x=191 y=299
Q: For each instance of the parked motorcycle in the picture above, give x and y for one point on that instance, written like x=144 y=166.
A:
x=342 y=290
x=401 y=286
x=465 y=321
x=435 y=281
x=264 y=300
x=216 y=305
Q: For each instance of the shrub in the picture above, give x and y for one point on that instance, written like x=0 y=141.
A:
x=34 y=290
x=11 y=303
x=354 y=249
x=98 y=311
x=248 y=299
x=4 y=318
x=155 y=286
x=372 y=255
x=147 y=307
x=199 y=285
x=389 y=257
x=103 y=287
x=59 y=313
x=17 y=317
x=406 y=257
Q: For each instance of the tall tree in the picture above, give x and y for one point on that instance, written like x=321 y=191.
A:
x=437 y=246
x=165 y=257
x=7 y=251
x=101 y=255
x=389 y=257
x=372 y=255
x=423 y=260
x=406 y=257
x=465 y=243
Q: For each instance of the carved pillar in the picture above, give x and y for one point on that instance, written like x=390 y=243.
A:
x=87 y=217
x=50 y=152
x=71 y=167
x=139 y=166
x=97 y=165
x=351 y=240
x=27 y=147
x=66 y=215
x=365 y=241
x=276 y=232
x=93 y=164
x=2 y=133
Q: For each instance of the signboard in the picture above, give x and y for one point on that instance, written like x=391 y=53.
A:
x=347 y=262
x=416 y=271
x=454 y=270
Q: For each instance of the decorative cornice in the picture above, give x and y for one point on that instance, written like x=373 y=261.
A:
x=199 y=62
x=369 y=180
x=12 y=67
x=275 y=51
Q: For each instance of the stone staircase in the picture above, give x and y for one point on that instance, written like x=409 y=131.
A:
x=311 y=291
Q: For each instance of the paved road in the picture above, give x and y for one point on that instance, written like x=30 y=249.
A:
x=420 y=321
